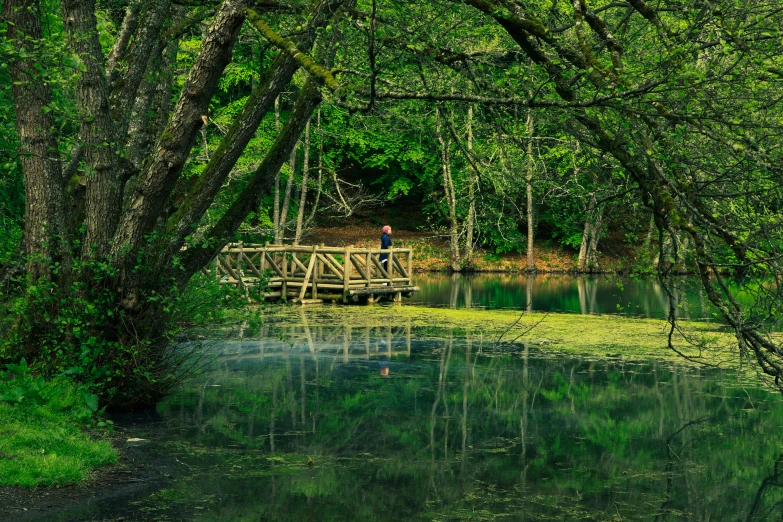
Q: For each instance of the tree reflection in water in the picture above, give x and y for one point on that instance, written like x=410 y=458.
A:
x=309 y=428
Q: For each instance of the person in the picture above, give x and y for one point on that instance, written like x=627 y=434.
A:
x=386 y=243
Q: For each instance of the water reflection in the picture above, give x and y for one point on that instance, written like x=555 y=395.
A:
x=583 y=294
x=302 y=424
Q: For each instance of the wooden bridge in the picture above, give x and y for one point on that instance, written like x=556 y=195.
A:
x=312 y=274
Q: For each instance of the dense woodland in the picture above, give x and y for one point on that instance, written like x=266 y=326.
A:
x=139 y=137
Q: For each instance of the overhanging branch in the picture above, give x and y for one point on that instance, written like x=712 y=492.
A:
x=321 y=74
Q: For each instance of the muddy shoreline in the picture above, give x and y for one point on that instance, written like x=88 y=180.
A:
x=136 y=472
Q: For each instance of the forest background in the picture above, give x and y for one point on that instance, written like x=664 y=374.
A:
x=133 y=129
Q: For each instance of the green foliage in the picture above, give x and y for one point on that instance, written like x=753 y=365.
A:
x=78 y=328
x=43 y=440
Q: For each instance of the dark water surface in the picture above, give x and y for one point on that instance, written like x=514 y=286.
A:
x=585 y=294
x=384 y=426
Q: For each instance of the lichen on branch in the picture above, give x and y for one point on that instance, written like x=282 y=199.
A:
x=322 y=74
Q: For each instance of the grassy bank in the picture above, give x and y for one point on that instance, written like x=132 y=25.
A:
x=43 y=438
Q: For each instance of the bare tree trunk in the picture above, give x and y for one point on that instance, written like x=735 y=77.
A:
x=531 y=230
x=320 y=171
x=44 y=234
x=287 y=197
x=448 y=188
x=276 y=210
x=596 y=229
x=586 y=234
x=471 y=223
x=303 y=192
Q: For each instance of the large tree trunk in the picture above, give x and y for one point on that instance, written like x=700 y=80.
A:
x=134 y=65
x=261 y=182
x=127 y=29
x=97 y=133
x=303 y=191
x=45 y=236
x=266 y=93
x=160 y=176
x=154 y=92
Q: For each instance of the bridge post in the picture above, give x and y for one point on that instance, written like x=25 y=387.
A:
x=346 y=274
x=284 y=283
x=390 y=266
x=316 y=273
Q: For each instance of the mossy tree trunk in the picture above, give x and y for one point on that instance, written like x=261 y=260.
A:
x=45 y=235
x=133 y=239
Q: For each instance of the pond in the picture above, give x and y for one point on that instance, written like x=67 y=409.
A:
x=388 y=424
x=584 y=294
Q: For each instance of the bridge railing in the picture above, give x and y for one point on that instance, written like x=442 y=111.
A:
x=296 y=271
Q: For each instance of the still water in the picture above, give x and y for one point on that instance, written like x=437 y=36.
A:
x=379 y=424
x=585 y=294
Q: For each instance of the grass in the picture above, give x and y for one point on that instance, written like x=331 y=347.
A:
x=42 y=433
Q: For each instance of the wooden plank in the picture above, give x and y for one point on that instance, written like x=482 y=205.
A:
x=298 y=263
x=368 y=265
x=309 y=301
x=306 y=249
x=316 y=271
x=347 y=275
x=274 y=265
x=331 y=286
x=253 y=268
x=400 y=268
x=307 y=275
x=332 y=264
x=227 y=267
x=357 y=264
x=390 y=263
x=382 y=290
x=380 y=267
